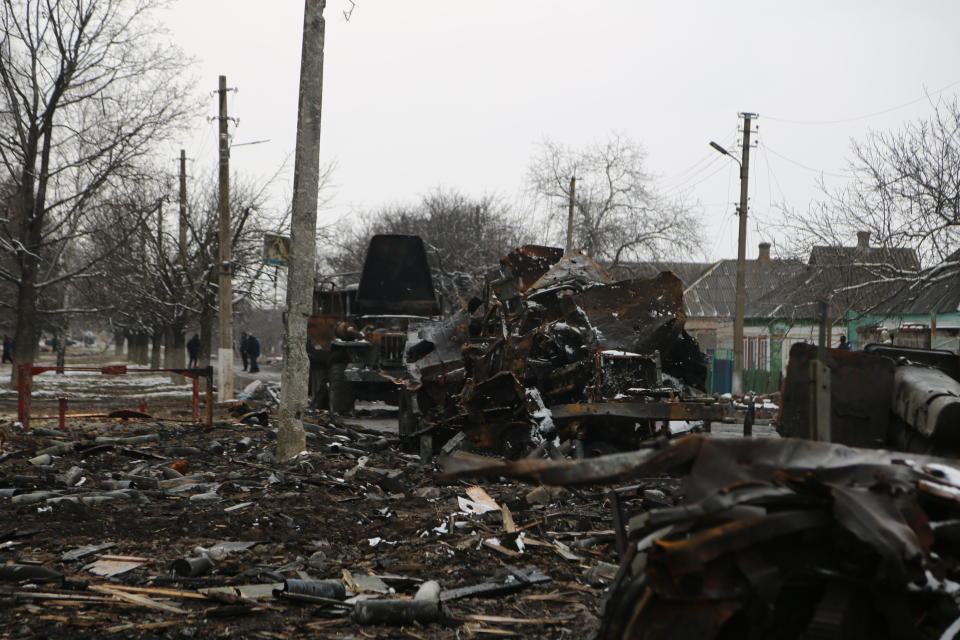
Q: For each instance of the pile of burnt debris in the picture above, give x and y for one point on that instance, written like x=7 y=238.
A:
x=555 y=356
x=776 y=539
x=163 y=530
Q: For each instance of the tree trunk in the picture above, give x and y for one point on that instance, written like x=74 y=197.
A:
x=176 y=350
x=156 y=349
x=118 y=340
x=141 y=353
x=291 y=439
x=28 y=330
x=206 y=336
x=28 y=333
x=167 y=347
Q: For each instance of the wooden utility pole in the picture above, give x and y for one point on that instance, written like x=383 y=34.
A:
x=225 y=279
x=182 y=245
x=737 y=382
x=291 y=439
x=573 y=199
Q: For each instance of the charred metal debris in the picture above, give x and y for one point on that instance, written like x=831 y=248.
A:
x=555 y=356
x=130 y=528
x=884 y=396
x=775 y=538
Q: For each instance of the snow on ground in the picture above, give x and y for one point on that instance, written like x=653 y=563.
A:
x=93 y=385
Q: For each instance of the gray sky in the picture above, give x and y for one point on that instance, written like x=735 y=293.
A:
x=424 y=93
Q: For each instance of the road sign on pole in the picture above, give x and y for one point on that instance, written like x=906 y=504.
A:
x=276 y=250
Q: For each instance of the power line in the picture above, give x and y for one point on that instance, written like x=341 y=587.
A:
x=687 y=187
x=926 y=96
x=776 y=180
x=708 y=156
x=803 y=166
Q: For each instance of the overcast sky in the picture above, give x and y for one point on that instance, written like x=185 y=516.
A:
x=424 y=93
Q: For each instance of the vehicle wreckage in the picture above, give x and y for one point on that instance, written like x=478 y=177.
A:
x=357 y=334
x=897 y=397
x=774 y=538
x=555 y=355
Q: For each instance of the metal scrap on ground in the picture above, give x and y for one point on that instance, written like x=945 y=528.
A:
x=779 y=538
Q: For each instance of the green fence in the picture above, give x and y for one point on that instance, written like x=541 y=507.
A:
x=760 y=381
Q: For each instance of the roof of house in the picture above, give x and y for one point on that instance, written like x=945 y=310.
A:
x=710 y=288
x=936 y=291
x=714 y=294
x=860 y=278
x=901 y=258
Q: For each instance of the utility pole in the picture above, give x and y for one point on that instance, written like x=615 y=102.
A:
x=737 y=382
x=573 y=199
x=291 y=439
x=225 y=279
x=183 y=209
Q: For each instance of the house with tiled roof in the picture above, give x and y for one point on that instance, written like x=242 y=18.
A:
x=922 y=312
x=865 y=285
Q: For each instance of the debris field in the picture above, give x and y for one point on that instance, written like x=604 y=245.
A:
x=165 y=530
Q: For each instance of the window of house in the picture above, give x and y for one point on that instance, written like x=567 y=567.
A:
x=756 y=352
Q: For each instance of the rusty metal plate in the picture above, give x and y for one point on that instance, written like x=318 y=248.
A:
x=861 y=396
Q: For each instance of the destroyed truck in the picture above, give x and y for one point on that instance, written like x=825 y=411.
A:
x=357 y=334
x=555 y=355
x=886 y=396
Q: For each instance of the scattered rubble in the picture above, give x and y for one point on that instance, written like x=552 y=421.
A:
x=775 y=538
x=166 y=530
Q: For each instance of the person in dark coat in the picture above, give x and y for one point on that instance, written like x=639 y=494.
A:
x=253 y=352
x=244 y=354
x=193 y=350
x=8 y=349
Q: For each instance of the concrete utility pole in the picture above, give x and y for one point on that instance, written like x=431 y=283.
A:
x=182 y=247
x=225 y=279
x=737 y=383
x=573 y=199
x=291 y=439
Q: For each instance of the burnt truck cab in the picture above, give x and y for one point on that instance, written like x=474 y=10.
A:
x=358 y=335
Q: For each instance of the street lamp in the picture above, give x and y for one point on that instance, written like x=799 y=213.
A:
x=736 y=385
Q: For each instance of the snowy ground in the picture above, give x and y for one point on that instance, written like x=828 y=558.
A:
x=93 y=385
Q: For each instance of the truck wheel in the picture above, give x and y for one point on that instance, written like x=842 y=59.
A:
x=342 y=394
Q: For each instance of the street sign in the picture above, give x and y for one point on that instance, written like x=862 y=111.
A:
x=276 y=250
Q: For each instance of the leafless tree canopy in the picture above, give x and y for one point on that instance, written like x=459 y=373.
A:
x=463 y=236
x=86 y=90
x=618 y=213
x=147 y=287
x=905 y=190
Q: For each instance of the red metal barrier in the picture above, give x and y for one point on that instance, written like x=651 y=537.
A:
x=25 y=373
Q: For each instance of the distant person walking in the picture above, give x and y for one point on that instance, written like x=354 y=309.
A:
x=253 y=352
x=244 y=355
x=193 y=350
x=843 y=343
x=7 y=349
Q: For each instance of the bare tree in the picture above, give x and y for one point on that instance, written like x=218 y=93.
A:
x=152 y=294
x=86 y=90
x=618 y=213
x=463 y=236
x=905 y=190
